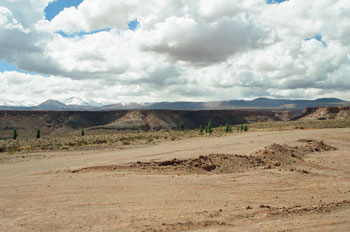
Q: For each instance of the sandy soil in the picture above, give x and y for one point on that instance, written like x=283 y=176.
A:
x=301 y=190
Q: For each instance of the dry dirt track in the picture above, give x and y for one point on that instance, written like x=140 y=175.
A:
x=37 y=194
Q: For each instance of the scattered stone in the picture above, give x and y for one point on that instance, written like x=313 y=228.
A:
x=265 y=206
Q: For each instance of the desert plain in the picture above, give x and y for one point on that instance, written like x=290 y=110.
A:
x=263 y=180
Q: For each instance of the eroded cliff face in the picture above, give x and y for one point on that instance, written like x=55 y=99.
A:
x=323 y=113
x=64 y=122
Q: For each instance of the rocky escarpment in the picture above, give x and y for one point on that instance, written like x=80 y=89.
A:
x=325 y=113
x=64 y=122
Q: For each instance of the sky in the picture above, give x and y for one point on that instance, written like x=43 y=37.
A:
x=174 y=50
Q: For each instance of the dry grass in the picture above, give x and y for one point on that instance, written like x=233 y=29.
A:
x=122 y=139
x=300 y=124
x=96 y=140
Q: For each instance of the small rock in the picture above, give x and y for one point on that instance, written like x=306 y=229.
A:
x=265 y=206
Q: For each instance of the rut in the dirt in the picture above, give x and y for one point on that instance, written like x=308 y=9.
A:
x=272 y=156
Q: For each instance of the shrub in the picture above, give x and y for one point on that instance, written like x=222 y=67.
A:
x=38 y=133
x=228 y=128
x=200 y=129
x=82 y=132
x=245 y=128
x=209 y=128
x=242 y=128
x=182 y=126
x=15 y=134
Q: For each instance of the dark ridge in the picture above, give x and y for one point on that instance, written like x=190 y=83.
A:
x=63 y=122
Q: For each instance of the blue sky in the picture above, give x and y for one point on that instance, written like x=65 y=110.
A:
x=318 y=38
x=82 y=33
x=275 y=1
x=5 y=66
x=57 y=6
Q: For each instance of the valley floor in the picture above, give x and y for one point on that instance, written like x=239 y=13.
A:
x=46 y=192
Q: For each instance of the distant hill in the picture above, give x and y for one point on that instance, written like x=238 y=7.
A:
x=78 y=104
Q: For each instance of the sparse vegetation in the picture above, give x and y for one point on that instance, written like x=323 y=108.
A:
x=228 y=128
x=15 y=134
x=182 y=126
x=242 y=128
x=99 y=139
x=38 y=133
x=200 y=129
x=245 y=128
x=300 y=124
x=210 y=130
x=82 y=132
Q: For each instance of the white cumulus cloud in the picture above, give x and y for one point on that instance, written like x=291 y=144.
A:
x=181 y=50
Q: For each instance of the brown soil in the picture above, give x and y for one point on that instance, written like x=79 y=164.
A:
x=309 y=190
x=272 y=156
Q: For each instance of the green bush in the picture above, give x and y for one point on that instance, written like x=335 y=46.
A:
x=182 y=126
x=242 y=128
x=15 y=134
x=228 y=128
x=38 y=133
x=210 y=130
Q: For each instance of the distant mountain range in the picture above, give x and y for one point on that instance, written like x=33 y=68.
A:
x=79 y=104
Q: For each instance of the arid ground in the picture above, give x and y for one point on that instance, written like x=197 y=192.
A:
x=291 y=180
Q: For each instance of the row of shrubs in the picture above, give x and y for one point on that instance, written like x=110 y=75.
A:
x=208 y=128
x=15 y=135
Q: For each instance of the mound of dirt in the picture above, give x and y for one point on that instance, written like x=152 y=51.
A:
x=272 y=156
x=215 y=163
x=276 y=155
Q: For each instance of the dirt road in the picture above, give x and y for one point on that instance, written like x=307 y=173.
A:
x=41 y=192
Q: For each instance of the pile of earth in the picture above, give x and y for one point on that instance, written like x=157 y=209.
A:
x=272 y=156
x=276 y=155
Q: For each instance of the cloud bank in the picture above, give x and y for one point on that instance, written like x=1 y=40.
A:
x=180 y=50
